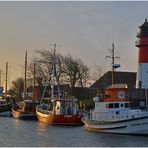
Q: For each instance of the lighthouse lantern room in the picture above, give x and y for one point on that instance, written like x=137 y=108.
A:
x=142 y=44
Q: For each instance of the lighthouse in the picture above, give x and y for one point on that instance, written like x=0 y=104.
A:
x=142 y=44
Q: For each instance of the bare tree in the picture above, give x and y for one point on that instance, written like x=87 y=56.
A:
x=76 y=72
x=98 y=72
x=43 y=67
x=18 y=87
x=83 y=73
x=69 y=70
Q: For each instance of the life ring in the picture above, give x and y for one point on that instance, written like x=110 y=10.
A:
x=121 y=94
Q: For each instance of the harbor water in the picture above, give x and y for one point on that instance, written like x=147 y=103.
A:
x=20 y=133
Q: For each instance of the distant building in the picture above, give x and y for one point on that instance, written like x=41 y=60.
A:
x=100 y=85
x=136 y=96
x=128 y=78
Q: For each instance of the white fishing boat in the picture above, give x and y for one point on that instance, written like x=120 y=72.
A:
x=112 y=114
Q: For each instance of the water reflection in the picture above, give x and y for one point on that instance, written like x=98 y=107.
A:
x=16 y=122
x=20 y=133
x=41 y=128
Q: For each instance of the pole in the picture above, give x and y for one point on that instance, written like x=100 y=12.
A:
x=25 y=81
x=53 y=77
x=0 y=78
x=53 y=71
x=33 y=88
x=146 y=100
x=6 y=79
x=113 y=56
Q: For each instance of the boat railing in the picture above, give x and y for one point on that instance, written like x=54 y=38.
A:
x=116 y=116
x=43 y=110
x=117 y=86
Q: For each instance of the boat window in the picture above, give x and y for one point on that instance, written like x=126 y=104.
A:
x=127 y=105
x=111 y=105
x=46 y=101
x=107 y=96
x=51 y=105
x=121 y=105
x=116 y=105
x=107 y=105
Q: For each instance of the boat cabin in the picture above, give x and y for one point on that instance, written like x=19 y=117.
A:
x=114 y=104
x=61 y=106
x=115 y=98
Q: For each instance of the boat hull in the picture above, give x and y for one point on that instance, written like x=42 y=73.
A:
x=5 y=114
x=5 y=110
x=5 y=107
x=59 y=119
x=133 y=126
x=17 y=114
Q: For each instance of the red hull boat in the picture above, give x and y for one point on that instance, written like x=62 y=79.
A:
x=57 y=111
x=58 y=119
x=60 y=108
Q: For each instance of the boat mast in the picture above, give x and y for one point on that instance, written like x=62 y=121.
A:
x=146 y=98
x=53 y=72
x=25 y=81
x=6 y=79
x=53 y=76
x=33 y=89
x=113 y=57
x=0 y=78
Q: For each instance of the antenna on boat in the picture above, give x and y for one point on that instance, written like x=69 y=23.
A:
x=113 y=57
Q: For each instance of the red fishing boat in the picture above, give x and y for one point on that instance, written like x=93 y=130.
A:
x=59 y=111
x=60 y=108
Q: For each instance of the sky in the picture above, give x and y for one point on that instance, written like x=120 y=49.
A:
x=84 y=29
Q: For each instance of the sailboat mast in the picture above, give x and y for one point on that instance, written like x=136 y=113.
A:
x=33 y=93
x=25 y=81
x=0 y=78
x=6 y=79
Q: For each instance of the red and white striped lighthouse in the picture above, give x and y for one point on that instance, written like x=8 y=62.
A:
x=142 y=44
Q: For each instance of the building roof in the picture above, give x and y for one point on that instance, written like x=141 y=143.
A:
x=128 y=78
